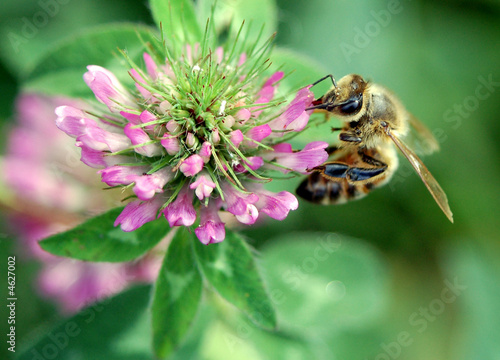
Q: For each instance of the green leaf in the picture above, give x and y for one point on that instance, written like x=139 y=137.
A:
x=27 y=31
x=176 y=296
x=64 y=82
x=113 y=329
x=324 y=281
x=231 y=269
x=98 y=240
x=237 y=338
x=229 y=15
x=300 y=69
x=470 y=290
x=98 y=46
x=178 y=20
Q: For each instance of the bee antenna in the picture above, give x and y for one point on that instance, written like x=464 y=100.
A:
x=325 y=77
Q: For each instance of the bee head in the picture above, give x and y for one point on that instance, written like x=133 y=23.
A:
x=345 y=98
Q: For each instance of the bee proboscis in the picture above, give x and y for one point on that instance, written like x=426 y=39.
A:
x=365 y=158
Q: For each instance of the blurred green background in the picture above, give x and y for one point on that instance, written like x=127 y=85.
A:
x=403 y=282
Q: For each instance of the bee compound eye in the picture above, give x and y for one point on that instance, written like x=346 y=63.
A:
x=351 y=106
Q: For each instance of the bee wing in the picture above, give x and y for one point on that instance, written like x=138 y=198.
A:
x=429 y=180
x=420 y=138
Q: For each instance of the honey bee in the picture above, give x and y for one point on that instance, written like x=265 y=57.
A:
x=365 y=158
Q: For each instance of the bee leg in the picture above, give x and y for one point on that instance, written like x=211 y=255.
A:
x=332 y=149
x=334 y=169
x=349 y=137
x=371 y=160
x=360 y=174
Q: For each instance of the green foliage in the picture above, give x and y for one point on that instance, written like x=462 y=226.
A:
x=177 y=18
x=113 y=329
x=473 y=265
x=176 y=295
x=98 y=240
x=299 y=69
x=433 y=55
x=325 y=281
x=30 y=27
x=67 y=60
x=260 y=17
x=231 y=270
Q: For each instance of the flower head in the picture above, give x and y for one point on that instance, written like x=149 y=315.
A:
x=49 y=190
x=197 y=134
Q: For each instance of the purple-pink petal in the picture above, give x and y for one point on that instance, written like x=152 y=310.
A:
x=107 y=88
x=274 y=78
x=173 y=127
x=283 y=148
x=249 y=216
x=181 y=211
x=266 y=94
x=237 y=202
x=150 y=66
x=137 y=213
x=97 y=138
x=236 y=137
x=295 y=117
x=219 y=54
x=98 y=159
x=171 y=144
x=192 y=165
x=146 y=94
x=78 y=284
x=257 y=133
x=211 y=229
x=205 y=151
x=312 y=155
x=299 y=123
x=276 y=206
x=121 y=175
x=147 y=186
x=90 y=157
x=243 y=115
x=210 y=232
x=138 y=136
x=203 y=186
x=243 y=58
x=74 y=123
x=71 y=120
x=254 y=162
x=147 y=117
x=131 y=117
